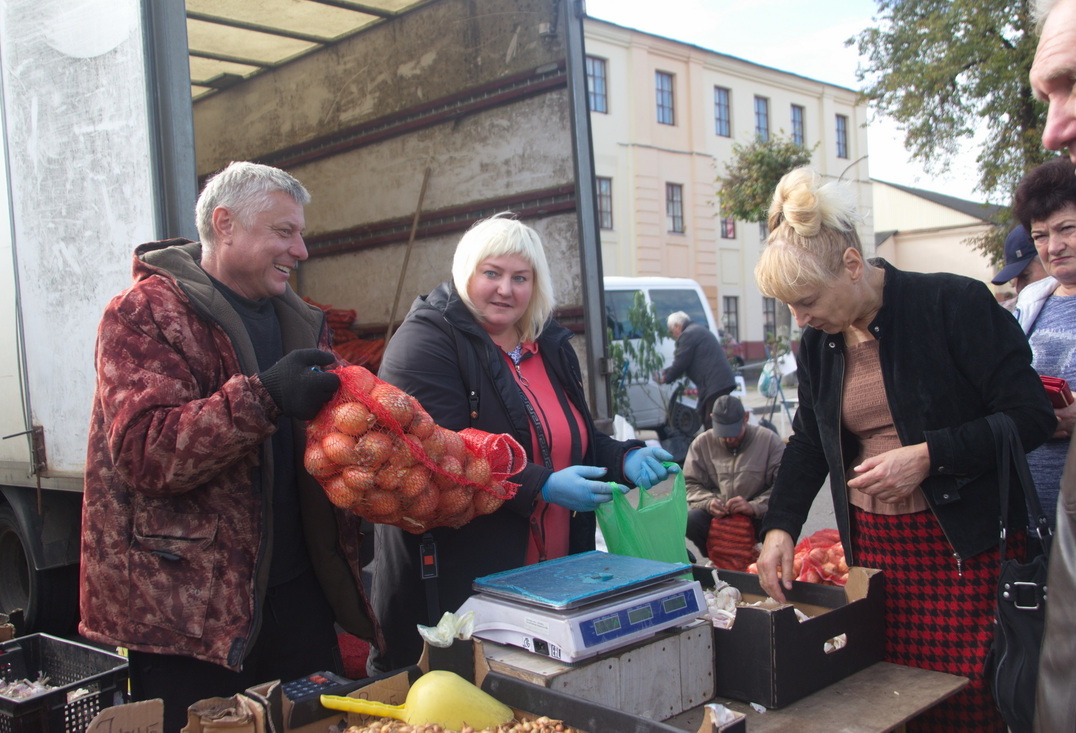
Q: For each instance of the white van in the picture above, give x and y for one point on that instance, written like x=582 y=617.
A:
x=649 y=400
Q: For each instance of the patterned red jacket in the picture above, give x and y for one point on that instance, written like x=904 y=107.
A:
x=175 y=553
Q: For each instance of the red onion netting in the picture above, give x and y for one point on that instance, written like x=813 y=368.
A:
x=377 y=453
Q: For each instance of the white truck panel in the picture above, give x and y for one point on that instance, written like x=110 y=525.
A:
x=11 y=406
x=74 y=94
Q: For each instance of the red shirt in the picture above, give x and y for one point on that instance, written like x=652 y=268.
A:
x=549 y=522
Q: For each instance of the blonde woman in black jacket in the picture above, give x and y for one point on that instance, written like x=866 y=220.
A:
x=898 y=372
x=481 y=351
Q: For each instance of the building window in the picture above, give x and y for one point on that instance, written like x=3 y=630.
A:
x=596 y=90
x=769 y=318
x=664 y=87
x=674 y=207
x=842 y=136
x=605 y=203
x=797 y=125
x=722 y=113
x=728 y=228
x=762 y=118
x=732 y=317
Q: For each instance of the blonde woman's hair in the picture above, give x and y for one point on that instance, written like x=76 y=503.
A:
x=500 y=235
x=811 y=226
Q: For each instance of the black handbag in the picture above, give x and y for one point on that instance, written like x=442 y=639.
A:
x=1013 y=663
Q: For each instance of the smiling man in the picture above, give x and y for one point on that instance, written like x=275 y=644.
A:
x=207 y=550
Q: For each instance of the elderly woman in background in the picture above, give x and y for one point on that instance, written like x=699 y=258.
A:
x=482 y=351
x=1045 y=203
x=898 y=372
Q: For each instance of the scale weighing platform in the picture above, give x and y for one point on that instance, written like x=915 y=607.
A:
x=579 y=606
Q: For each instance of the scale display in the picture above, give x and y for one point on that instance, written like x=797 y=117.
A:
x=669 y=609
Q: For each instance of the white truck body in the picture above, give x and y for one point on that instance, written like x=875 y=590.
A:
x=102 y=148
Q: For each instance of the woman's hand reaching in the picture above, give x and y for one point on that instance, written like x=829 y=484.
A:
x=645 y=467
x=775 y=569
x=577 y=488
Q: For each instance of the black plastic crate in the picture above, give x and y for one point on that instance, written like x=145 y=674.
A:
x=69 y=666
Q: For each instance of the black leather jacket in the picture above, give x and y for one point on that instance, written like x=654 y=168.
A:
x=950 y=356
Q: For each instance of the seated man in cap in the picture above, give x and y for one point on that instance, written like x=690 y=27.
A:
x=1022 y=264
x=729 y=471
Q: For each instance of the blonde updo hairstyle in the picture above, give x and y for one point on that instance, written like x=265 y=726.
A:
x=811 y=226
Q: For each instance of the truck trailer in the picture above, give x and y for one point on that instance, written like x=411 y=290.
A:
x=406 y=119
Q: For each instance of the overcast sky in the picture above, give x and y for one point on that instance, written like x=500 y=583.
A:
x=801 y=36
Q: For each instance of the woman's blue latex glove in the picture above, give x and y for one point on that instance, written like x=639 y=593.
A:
x=574 y=487
x=648 y=466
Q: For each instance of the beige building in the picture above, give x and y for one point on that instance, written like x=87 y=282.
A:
x=924 y=231
x=664 y=118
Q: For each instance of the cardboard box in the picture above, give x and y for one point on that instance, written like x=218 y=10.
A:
x=135 y=717
x=771 y=658
x=11 y=624
x=657 y=678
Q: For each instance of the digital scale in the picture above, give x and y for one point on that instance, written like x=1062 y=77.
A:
x=577 y=607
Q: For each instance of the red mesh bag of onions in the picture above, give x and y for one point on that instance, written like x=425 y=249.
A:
x=378 y=454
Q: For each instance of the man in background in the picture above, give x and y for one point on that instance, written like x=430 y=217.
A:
x=701 y=357
x=1022 y=264
x=730 y=470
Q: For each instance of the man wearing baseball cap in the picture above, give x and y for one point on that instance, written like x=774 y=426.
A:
x=1022 y=263
x=729 y=470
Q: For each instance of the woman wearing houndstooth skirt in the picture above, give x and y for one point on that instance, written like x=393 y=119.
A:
x=895 y=387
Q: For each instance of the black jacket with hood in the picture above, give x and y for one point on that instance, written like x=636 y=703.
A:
x=435 y=355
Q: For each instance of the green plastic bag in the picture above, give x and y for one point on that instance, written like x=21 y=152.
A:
x=654 y=530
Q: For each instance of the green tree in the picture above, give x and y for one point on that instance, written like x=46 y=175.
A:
x=746 y=189
x=944 y=68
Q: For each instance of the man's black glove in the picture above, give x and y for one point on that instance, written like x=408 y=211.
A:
x=297 y=384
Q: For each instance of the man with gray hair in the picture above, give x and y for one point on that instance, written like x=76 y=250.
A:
x=1053 y=79
x=207 y=550
x=700 y=356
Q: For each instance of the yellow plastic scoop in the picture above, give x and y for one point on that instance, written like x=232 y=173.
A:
x=437 y=697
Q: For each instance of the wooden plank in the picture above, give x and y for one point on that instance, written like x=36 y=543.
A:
x=650 y=679
x=654 y=679
x=879 y=698
x=597 y=681
x=697 y=666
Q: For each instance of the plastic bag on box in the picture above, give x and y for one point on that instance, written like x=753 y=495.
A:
x=377 y=453
x=653 y=530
